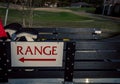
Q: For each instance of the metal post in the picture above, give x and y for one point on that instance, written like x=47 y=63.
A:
x=69 y=63
x=104 y=5
x=7 y=10
x=3 y=63
x=109 y=9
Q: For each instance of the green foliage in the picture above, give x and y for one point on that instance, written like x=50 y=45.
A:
x=61 y=3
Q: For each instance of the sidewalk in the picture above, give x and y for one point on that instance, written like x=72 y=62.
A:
x=60 y=81
x=115 y=19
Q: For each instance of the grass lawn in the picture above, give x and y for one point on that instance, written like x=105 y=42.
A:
x=58 y=16
x=62 y=19
x=43 y=16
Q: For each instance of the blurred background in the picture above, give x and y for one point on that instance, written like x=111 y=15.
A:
x=103 y=14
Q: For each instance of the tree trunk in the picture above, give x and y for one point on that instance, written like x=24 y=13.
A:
x=23 y=13
x=31 y=14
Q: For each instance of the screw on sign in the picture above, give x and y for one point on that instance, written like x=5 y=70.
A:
x=37 y=53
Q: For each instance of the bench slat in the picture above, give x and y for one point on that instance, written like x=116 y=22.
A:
x=97 y=65
x=98 y=45
x=96 y=74
x=97 y=55
x=38 y=74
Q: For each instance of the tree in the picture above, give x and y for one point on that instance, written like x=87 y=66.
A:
x=27 y=12
x=15 y=1
x=96 y=2
x=38 y=3
x=65 y=2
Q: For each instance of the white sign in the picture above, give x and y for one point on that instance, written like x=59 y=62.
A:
x=36 y=54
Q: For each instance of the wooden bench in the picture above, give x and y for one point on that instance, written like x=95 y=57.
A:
x=86 y=55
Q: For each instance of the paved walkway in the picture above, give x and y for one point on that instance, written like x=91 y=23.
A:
x=60 y=81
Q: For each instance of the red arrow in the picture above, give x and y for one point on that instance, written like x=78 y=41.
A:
x=23 y=59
